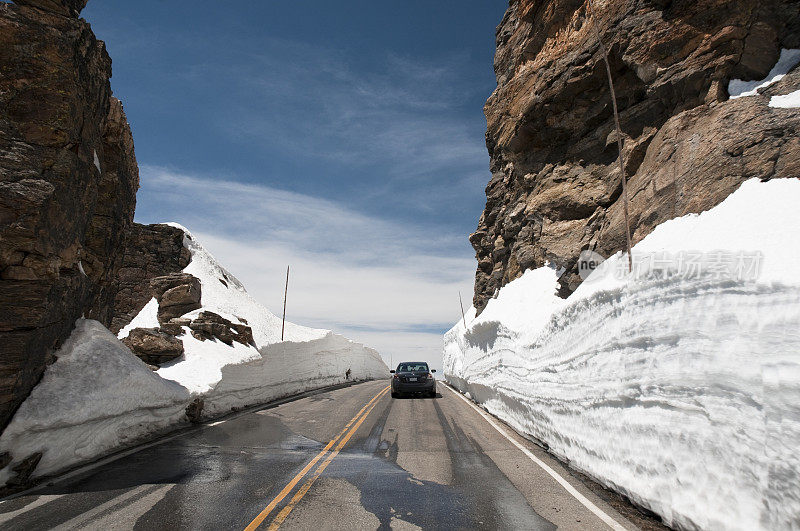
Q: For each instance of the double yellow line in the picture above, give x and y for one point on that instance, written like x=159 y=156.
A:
x=337 y=444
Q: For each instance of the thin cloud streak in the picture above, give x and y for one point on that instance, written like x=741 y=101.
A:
x=402 y=118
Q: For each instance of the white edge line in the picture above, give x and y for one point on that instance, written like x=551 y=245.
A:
x=613 y=524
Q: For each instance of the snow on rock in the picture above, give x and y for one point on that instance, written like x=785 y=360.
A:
x=97 y=396
x=200 y=369
x=225 y=295
x=205 y=367
x=146 y=318
x=677 y=386
x=787 y=60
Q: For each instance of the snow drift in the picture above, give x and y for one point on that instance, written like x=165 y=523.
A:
x=678 y=386
x=98 y=396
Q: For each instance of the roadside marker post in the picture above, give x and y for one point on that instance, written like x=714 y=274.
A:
x=462 y=310
x=285 y=292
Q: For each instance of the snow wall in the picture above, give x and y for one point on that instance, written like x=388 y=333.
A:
x=677 y=385
x=98 y=397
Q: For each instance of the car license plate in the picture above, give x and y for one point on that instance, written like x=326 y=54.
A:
x=412 y=379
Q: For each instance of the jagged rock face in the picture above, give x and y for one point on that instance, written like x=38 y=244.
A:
x=150 y=251
x=556 y=187
x=68 y=180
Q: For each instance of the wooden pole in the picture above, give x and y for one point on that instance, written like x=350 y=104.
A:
x=619 y=134
x=285 y=291
x=462 y=310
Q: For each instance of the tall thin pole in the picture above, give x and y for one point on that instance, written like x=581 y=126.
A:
x=462 y=310
x=619 y=134
x=285 y=291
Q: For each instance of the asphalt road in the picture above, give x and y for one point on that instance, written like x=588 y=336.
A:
x=350 y=458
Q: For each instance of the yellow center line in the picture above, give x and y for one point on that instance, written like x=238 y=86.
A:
x=279 y=519
x=296 y=479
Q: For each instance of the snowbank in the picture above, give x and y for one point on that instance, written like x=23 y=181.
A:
x=678 y=385
x=293 y=367
x=96 y=396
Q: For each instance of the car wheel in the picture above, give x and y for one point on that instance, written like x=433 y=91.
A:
x=395 y=395
x=432 y=394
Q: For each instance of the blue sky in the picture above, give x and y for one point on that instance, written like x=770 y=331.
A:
x=344 y=138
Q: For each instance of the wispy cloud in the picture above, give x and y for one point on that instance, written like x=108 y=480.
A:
x=398 y=120
x=394 y=286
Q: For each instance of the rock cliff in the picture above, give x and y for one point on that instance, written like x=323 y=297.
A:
x=555 y=188
x=68 y=181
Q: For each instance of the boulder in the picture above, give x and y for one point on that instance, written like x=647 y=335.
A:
x=177 y=294
x=194 y=411
x=153 y=346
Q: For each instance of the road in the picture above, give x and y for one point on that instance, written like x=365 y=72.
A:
x=349 y=458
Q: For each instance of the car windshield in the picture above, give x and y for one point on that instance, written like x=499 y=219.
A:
x=412 y=367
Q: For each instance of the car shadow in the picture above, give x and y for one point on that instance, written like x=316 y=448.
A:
x=423 y=397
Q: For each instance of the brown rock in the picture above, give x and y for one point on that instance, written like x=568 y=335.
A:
x=153 y=346
x=62 y=220
x=210 y=325
x=150 y=251
x=24 y=470
x=69 y=8
x=174 y=327
x=177 y=294
x=194 y=411
x=552 y=142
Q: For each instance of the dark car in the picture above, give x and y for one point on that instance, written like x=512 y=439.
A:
x=413 y=377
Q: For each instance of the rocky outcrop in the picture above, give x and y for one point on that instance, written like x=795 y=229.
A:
x=150 y=251
x=555 y=187
x=177 y=294
x=153 y=346
x=209 y=325
x=68 y=8
x=68 y=180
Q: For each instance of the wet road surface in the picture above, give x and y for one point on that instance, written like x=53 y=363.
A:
x=350 y=458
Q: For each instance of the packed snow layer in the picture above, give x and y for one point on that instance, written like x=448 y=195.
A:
x=788 y=59
x=679 y=388
x=96 y=396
